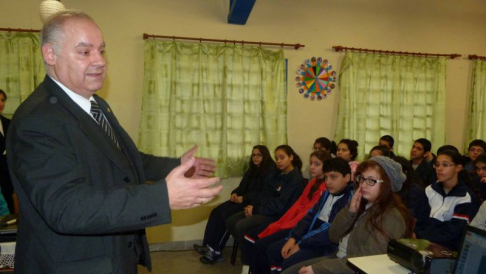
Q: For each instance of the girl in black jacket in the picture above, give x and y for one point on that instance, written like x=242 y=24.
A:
x=216 y=235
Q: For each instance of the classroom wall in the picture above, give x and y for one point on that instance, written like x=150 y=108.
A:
x=432 y=26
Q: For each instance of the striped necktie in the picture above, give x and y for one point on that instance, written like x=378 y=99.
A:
x=103 y=122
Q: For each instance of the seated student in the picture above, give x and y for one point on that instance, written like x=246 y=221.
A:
x=387 y=141
x=476 y=148
x=380 y=151
x=418 y=155
x=348 y=150
x=259 y=238
x=447 y=147
x=374 y=216
x=452 y=203
x=413 y=194
x=216 y=235
x=480 y=220
x=310 y=237
x=276 y=198
x=434 y=159
x=321 y=143
x=479 y=181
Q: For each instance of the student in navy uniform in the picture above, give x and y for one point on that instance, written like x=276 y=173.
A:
x=451 y=202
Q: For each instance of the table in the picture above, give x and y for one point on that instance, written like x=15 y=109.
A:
x=380 y=264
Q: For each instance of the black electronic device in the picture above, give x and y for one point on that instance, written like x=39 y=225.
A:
x=420 y=256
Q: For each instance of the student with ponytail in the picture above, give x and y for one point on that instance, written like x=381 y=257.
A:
x=451 y=202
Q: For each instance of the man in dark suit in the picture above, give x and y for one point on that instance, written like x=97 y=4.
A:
x=80 y=179
x=5 y=182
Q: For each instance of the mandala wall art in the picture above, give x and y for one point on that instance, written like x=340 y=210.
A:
x=316 y=78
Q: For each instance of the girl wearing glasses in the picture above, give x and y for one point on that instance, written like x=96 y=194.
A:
x=261 y=168
x=374 y=216
x=452 y=203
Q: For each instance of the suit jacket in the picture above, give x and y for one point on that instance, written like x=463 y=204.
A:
x=83 y=202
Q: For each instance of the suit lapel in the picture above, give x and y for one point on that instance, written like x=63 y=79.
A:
x=88 y=125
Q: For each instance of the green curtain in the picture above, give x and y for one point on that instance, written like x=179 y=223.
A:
x=21 y=67
x=224 y=98
x=476 y=129
x=402 y=96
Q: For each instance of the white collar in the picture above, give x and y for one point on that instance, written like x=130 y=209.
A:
x=82 y=102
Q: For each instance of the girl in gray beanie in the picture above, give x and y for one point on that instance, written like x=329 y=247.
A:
x=374 y=216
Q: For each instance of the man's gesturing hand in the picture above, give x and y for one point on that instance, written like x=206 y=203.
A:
x=186 y=192
x=202 y=167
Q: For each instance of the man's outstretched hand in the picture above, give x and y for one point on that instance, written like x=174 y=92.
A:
x=189 y=192
x=202 y=167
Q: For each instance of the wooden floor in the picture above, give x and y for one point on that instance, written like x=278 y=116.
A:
x=175 y=262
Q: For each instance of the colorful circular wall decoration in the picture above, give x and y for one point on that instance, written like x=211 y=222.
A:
x=316 y=79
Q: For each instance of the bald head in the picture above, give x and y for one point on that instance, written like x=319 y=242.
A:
x=73 y=51
x=53 y=28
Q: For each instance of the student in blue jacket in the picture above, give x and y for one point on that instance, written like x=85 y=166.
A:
x=309 y=238
x=452 y=203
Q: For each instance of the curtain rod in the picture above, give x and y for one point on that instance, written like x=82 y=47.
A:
x=19 y=30
x=341 y=48
x=476 y=57
x=296 y=46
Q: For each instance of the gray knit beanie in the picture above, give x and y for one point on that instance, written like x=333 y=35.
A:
x=393 y=170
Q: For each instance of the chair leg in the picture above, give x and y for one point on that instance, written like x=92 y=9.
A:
x=234 y=252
